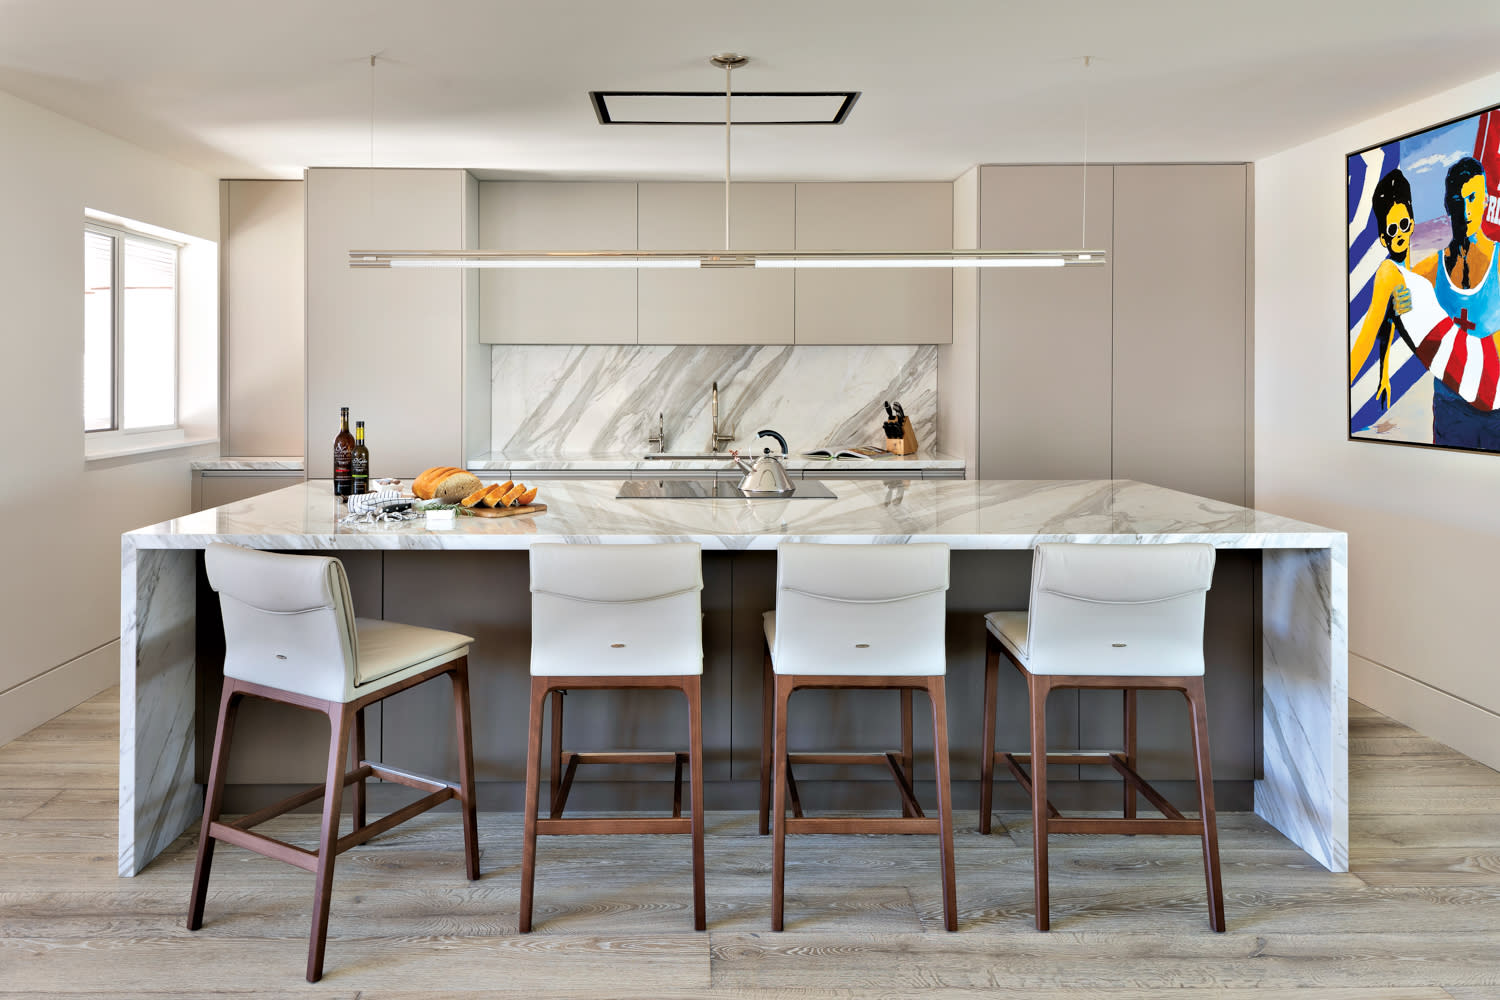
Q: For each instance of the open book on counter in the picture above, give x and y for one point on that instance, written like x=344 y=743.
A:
x=843 y=452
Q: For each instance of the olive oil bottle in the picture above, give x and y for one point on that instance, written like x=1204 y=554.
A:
x=360 y=464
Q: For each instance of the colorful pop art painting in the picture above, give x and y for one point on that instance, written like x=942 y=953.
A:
x=1424 y=287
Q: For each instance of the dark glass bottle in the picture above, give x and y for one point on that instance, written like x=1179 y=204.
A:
x=360 y=466
x=343 y=457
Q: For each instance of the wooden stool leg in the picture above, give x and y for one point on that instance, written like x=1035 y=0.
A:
x=359 y=755
x=936 y=691
x=554 y=768
x=767 y=688
x=778 y=800
x=987 y=744
x=533 y=796
x=528 y=852
x=908 y=753
x=1130 y=747
x=1198 y=705
x=229 y=704
x=1040 y=686
x=339 y=720
x=464 y=730
x=693 y=688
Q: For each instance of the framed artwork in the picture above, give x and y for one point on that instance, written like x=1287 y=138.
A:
x=1424 y=287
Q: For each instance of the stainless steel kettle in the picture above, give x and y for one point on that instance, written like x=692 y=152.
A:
x=767 y=477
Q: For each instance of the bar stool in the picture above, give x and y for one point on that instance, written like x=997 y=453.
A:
x=613 y=617
x=1106 y=616
x=858 y=616
x=291 y=637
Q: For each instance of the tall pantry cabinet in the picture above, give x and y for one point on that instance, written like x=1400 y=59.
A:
x=384 y=342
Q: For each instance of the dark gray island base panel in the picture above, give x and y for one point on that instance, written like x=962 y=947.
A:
x=484 y=594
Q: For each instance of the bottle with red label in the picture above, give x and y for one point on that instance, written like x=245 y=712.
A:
x=343 y=457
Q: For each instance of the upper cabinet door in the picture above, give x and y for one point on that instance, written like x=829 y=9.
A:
x=877 y=306
x=586 y=306
x=729 y=306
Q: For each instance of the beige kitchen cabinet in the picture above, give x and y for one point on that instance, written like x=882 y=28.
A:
x=216 y=487
x=586 y=306
x=387 y=343
x=1045 y=344
x=730 y=306
x=875 y=306
x=1180 y=327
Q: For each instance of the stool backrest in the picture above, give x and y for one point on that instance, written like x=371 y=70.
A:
x=861 y=609
x=288 y=620
x=1127 y=609
x=629 y=610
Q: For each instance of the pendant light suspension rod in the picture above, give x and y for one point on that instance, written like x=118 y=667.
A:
x=729 y=62
x=1083 y=237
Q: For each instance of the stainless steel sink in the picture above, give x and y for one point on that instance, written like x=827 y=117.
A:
x=713 y=489
x=659 y=456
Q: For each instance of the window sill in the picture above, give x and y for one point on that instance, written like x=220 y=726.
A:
x=118 y=444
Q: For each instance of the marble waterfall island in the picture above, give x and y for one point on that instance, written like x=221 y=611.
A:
x=1301 y=784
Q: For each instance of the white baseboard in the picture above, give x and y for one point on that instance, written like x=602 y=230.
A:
x=1468 y=728
x=50 y=694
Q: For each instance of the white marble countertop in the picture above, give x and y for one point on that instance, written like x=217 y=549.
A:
x=966 y=514
x=623 y=462
x=250 y=464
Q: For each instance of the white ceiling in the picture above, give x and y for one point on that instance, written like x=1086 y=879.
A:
x=265 y=88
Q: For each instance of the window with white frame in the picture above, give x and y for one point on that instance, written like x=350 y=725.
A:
x=129 y=330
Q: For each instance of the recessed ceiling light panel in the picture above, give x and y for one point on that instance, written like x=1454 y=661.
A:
x=682 y=107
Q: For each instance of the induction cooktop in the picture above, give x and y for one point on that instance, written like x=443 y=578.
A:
x=714 y=489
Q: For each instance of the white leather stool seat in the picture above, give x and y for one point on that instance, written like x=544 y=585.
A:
x=616 y=610
x=1111 y=610
x=289 y=624
x=390 y=651
x=859 y=610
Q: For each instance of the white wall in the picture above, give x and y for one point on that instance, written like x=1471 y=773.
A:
x=59 y=543
x=1423 y=524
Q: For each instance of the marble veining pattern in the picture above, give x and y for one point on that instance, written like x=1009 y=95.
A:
x=566 y=401
x=1304 y=792
x=158 y=691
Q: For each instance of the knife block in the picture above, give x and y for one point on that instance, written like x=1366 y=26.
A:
x=906 y=444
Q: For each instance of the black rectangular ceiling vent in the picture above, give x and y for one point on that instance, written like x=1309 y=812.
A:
x=679 y=107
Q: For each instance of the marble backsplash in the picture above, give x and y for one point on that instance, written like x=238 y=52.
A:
x=592 y=400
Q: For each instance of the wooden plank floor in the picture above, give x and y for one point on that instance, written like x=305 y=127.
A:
x=1416 y=919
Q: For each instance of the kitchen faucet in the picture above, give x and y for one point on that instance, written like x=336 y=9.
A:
x=658 y=440
x=715 y=439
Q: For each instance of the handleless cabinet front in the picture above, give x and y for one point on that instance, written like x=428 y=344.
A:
x=557 y=306
x=877 y=305
x=725 y=306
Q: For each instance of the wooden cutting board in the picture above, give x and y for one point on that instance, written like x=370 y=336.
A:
x=535 y=508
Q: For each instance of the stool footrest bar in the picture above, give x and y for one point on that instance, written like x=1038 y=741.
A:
x=563 y=827
x=857 y=824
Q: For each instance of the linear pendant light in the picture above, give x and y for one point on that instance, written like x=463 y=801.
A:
x=727 y=258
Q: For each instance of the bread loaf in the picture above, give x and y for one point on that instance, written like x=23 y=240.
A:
x=447 y=483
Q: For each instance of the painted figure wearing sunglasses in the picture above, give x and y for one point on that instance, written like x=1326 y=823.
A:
x=1391 y=202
